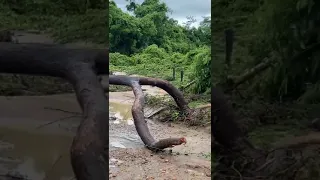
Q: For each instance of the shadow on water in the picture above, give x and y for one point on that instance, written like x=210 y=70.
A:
x=35 y=155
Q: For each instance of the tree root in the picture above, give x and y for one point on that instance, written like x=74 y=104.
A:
x=138 y=105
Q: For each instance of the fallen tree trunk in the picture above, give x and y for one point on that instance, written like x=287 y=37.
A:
x=138 y=105
x=80 y=67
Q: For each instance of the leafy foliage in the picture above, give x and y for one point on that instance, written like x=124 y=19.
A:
x=283 y=28
x=144 y=41
x=155 y=44
x=68 y=21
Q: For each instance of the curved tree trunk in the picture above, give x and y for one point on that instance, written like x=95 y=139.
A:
x=137 y=108
x=80 y=67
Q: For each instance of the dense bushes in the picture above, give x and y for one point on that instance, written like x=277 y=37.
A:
x=68 y=21
x=156 y=62
x=148 y=42
x=281 y=28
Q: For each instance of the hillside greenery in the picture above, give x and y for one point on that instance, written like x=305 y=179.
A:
x=281 y=30
x=66 y=21
x=281 y=101
x=146 y=41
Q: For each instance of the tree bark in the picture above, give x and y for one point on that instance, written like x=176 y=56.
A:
x=80 y=67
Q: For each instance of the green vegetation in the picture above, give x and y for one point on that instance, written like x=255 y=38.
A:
x=279 y=101
x=145 y=41
x=261 y=33
x=67 y=21
x=149 y=43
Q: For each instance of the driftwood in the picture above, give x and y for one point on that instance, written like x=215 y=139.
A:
x=137 y=108
x=80 y=67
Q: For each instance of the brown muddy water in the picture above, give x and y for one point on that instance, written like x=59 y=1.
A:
x=33 y=146
x=29 y=146
x=36 y=155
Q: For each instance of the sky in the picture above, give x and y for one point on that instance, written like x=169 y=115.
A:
x=181 y=9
